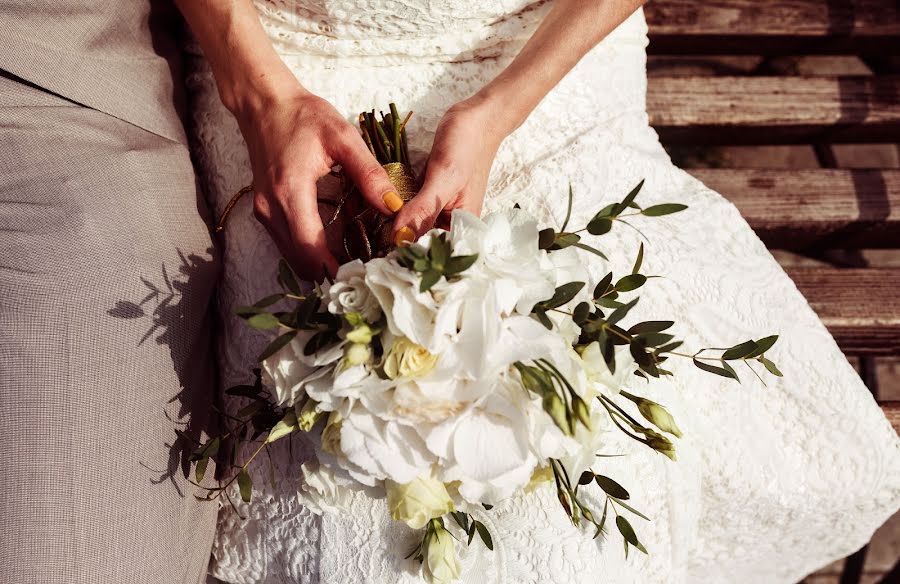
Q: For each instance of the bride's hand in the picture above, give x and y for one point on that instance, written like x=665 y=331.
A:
x=456 y=176
x=292 y=142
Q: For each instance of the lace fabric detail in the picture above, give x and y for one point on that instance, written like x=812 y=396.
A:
x=771 y=483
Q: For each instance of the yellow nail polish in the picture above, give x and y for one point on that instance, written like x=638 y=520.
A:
x=393 y=201
x=404 y=235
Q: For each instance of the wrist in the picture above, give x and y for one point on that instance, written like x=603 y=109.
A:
x=249 y=98
x=502 y=112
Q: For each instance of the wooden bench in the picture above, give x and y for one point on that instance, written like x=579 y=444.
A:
x=804 y=211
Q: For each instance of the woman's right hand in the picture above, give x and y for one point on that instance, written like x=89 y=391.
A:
x=293 y=141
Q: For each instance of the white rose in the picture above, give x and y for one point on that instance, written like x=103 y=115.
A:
x=349 y=293
x=417 y=502
x=507 y=246
x=378 y=449
x=288 y=371
x=407 y=359
x=440 y=565
x=487 y=450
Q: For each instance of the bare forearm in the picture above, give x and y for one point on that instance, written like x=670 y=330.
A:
x=567 y=33
x=248 y=71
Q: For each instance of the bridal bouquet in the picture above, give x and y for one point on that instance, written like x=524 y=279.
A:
x=465 y=368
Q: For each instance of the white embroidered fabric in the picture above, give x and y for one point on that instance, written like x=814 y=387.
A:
x=771 y=482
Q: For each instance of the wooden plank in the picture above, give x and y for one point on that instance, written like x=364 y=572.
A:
x=784 y=27
x=860 y=307
x=822 y=208
x=770 y=110
x=891 y=411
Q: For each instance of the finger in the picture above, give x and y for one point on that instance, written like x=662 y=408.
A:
x=297 y=229
x=419 y=215
x=368 y=176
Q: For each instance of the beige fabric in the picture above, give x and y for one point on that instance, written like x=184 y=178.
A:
x=119 y=57
x=106 y=272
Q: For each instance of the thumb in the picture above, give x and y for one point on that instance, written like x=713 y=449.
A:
x=420 y=214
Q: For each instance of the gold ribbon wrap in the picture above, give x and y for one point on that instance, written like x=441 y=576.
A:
x=368 y=234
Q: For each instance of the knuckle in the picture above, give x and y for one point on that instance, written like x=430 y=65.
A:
x=262 y=208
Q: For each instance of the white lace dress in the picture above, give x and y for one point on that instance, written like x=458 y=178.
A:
x=771 y=483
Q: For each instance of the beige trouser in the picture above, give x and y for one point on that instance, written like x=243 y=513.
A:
x=106 y=274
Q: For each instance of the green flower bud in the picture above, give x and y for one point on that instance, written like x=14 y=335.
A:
x=308 y=415
x=658 y=416
x=555 y=407
x=439 y=565
x=361 y=334
x=655 y=414
x=661 y=444
x=356 y=354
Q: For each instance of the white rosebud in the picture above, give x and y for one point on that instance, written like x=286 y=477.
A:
x=331 y=435
x=439 y=565
x=349 y=293
x=417 y=502
x=407 y=359
x=356 y=354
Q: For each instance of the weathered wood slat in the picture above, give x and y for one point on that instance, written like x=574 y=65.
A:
x=891 y=410
x=860 y=307
x=770 y=110
x=784 y=27
x=799 y=209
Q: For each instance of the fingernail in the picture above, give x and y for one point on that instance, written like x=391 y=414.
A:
x=393 y=201
x=403 y=235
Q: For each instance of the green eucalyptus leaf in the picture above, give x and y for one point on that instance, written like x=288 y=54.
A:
x=459 y=264
x=656 y=339
x=439 y=251
x=599 y=226
x=287 y=425
x=429 y=279
x=277 y=345
x=568 y=209
x=287 y=278
x=611 y=487
x=727 y=367
x=603 y=285
x=250 y=391
x=713 y=369
x=739 y=351
x=268 y=300
x=629 y=198
x=581 y=312
x=485 y=535
x=650 y=326
x=608 y=303
x=563 y=294
x=621 y=312
x=245 y=485
x=200 y=469
x=542 y=317
x=763 y=345
x=770 y=367
x=627 y=530
x=638 y=260
x=631 y=282
x=319 y=341
x=564 y=240
x=263 y=321
x=545 y=238
x=663 y=209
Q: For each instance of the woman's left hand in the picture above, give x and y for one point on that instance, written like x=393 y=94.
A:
x=456 y=175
